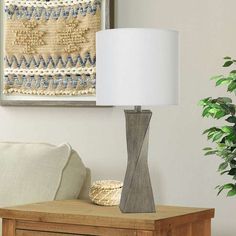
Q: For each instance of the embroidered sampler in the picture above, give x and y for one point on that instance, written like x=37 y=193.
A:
x=50 y=47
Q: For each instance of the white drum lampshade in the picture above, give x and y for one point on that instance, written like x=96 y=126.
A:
x=137 y=67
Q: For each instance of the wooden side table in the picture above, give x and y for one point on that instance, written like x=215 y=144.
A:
x=74 y=217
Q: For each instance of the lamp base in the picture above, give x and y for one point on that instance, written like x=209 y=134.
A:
x=137 y=194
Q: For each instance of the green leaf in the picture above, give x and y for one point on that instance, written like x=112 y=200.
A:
x=212 y=129
x=232 y=109
x=232 y=86
x=224 y=172
x=207 y=149
x=207 y=99
x=231 y=119
x=210 y=135
x=213 y=110
x=217 y=136
x=221 y=189
x=227 y=129
x=216 y=77
x=206 y=131
x=233 y=162
x=215 y=106
x=228 y=143
x=231 y=193
x=228 y=63
x=219 y=115
x=231 y=137
x=233 y=72
x=204 y=101
x=226 y=107
x=224 y=99
x=227 y=58
x=223 y=166
x=210 y=153
x=232 y=171
x=222 y=82
x=214 y=132
x=228 y=186
x=201 y=103
x=221 y=145
x=206 y=111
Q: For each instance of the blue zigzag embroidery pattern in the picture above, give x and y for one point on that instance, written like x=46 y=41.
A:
x=51 y=13
x=49 y=62
x=50 y=85
x=50 y=49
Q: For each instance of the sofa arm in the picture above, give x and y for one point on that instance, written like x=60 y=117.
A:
x=84 y=193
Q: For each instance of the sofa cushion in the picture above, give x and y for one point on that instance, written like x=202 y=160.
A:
x=32 y=172
x=39 y=172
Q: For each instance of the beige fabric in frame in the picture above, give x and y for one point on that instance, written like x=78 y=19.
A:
x=50 y=51
x=58 y=37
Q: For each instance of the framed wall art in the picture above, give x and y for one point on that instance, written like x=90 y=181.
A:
x=48 y=51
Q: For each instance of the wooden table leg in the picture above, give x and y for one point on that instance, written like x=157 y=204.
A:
x=198 y=228
x=8 y=227
x=202 y=228
x=183 y=230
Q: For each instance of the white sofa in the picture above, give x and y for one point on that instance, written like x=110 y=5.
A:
x=31 y=172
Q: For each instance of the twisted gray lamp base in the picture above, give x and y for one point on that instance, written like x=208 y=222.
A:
x=137 y=194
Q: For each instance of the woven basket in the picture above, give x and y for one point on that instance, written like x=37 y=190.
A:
x=106 y=192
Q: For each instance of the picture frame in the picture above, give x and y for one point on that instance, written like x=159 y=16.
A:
x=107 y=22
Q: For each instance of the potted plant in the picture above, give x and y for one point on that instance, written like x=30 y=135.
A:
x=224 y=137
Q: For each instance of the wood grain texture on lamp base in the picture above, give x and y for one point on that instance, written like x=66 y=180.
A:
x=137 y=194
x=75 y=217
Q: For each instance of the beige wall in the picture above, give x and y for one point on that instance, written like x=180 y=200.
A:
x=179 y=174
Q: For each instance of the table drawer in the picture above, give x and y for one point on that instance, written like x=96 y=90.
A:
x=31 y=228
x=38 y=233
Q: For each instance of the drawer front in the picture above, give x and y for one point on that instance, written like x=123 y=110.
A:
x=38 y=233
x=30 y=228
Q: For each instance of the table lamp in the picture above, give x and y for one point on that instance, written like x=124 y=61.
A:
x=137 y=67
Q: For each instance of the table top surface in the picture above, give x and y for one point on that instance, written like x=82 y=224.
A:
x=85 y=213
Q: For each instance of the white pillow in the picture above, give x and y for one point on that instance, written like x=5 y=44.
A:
x=31 y=172
x=39 y=172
